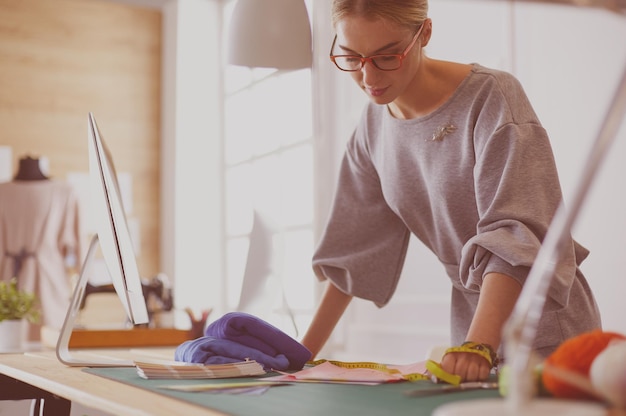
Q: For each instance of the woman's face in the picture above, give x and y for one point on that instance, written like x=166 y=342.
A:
x=363 y=37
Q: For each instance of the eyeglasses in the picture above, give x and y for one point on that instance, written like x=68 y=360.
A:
x=384 y=62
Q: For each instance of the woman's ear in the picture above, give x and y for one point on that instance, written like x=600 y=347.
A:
x=426 y=32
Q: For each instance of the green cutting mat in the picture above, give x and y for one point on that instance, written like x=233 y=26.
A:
x=304 y=399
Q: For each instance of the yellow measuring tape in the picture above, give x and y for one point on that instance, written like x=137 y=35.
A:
x=435 y=369
x=372 y=366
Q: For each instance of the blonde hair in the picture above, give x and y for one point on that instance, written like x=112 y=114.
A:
x=407 y=13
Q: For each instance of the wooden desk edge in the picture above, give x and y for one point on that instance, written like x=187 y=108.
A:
x=93 y=391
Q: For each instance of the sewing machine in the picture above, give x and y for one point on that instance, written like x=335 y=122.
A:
x=157 y=291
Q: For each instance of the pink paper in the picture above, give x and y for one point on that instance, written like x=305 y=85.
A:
x=330 y=373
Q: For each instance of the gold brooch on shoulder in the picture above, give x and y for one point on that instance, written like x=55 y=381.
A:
x=439 y=134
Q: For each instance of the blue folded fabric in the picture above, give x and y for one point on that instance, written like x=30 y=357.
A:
x=209 y=350
x=237 y=336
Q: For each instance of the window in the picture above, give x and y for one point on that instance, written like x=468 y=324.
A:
x=268 y=169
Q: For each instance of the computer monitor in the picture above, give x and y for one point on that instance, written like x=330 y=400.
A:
x=262 y=284
x=114 y=239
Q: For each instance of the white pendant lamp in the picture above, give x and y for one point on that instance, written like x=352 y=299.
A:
x=270 y=34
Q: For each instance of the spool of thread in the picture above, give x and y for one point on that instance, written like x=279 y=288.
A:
x=608 y=373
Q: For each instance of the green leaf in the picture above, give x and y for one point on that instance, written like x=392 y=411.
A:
x=17 y=304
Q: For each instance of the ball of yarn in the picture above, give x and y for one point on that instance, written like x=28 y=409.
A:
x=505 y=374
x=576 y=355
x=608 y=373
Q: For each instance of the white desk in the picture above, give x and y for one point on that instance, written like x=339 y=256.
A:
x=45 y=372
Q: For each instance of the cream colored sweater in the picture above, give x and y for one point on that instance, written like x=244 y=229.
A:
x=476 y=182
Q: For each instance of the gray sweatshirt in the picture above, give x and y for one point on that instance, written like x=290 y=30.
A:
x=476 y=182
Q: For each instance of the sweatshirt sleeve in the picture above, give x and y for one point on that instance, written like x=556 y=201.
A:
x=364 y=244
x=517 y=194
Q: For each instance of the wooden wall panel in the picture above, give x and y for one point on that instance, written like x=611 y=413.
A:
x=60 y=60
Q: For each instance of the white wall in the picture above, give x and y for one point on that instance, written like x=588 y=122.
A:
x=568 y=71
x=191 y=220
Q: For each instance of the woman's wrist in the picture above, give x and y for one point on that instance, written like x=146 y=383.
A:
x=484 y=350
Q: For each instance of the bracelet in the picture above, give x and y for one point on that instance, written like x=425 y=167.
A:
x=484 y=350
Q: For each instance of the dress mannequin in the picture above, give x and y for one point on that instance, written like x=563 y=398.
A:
x=40 y=227
x=29 y=169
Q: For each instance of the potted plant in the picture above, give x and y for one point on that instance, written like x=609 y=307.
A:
x=16 y=307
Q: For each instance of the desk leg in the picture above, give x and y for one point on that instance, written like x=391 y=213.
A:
x=13 y=389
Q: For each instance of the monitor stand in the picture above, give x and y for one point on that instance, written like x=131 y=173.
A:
x=62 y=348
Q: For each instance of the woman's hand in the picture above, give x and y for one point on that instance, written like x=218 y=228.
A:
x=468 y=365
x=498 y=295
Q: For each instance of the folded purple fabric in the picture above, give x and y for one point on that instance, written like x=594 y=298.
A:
x=210 y=350
x=237 y=336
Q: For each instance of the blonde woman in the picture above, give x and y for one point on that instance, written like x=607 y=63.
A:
x=454 y=154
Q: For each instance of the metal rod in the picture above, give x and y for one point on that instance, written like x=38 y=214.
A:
x=521 y=328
